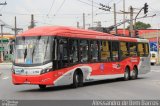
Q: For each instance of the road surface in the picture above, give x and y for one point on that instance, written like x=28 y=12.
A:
x=146 y=87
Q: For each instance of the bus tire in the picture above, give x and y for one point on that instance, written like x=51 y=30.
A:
x=134 y=73
x=127 y=74
x=42 y=87
x=77 y=79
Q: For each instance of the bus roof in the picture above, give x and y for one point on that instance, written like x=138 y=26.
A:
x=60 y=30
x=74 y=32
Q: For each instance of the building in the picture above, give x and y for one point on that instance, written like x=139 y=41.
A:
x=6 y=47
x=150 y=34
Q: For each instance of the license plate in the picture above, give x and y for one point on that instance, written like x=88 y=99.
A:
x=19 y=71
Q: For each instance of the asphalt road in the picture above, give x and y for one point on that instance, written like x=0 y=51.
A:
x=145 y=87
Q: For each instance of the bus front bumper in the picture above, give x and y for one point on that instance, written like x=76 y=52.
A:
x=45 y=79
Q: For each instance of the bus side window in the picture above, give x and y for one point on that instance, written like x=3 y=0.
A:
x=146 y=46
x=141 y=50
x=62 y=53
x=115 y=51
x=124 y=50
x=105 y=48
x=73 y=52
x=83 y=50
x=133 y=49
x=94 y=50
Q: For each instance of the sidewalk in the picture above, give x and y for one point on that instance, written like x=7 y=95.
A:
x=8 y=63
x=4 y=63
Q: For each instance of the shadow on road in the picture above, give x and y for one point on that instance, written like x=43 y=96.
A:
x=69 y=87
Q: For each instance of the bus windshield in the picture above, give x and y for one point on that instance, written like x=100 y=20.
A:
x=33 y=50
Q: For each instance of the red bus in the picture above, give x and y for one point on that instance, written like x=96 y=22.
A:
x=57 y=56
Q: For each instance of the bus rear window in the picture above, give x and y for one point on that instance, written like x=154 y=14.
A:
x=146 y=49
x=143 y=49
x=153 y=55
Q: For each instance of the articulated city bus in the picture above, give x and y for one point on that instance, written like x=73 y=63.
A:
x=57 y=56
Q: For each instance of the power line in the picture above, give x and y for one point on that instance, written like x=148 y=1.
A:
x=2 y=8
x=118 y=1
x=6 y=25
x=60 y=7
x=109 y=2
x=94 y=2
x=51 y=7
x=16 y=13
x=154 y=10
x=87 y=3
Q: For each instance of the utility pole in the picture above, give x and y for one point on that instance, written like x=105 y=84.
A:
x=92 y=13
x=131 y=21
x=2 y=50
x=115 y=22
x=15 y=29
x=124 y=18
x=84 y=26
x=77 y=24
x=15 y=23
x=32 y=22
x=158 y=46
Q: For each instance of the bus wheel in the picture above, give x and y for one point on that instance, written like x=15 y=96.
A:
x=42 y=87
x=77 y=79
x=134 y=73
x=126 y=74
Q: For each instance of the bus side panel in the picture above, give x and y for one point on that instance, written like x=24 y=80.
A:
x=144 y=65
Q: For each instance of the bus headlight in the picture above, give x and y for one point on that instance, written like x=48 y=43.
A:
x=43 y=71
x=13 y=71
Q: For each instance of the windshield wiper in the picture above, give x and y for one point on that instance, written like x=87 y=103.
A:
x=33 y=52
x=25 y=53
x=46 y=48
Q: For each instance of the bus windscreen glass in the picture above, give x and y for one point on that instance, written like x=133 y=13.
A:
x=32 y=50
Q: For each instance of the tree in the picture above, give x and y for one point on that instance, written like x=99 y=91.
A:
x=140 y=25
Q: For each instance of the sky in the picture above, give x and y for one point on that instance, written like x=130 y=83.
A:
x=69 y=12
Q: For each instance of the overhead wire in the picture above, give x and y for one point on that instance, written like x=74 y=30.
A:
x=6 y=25
x=51 y=7
x=60 y=7
x=118 y=2
x=94 y=2
x=109 y=2
x=38 y=15
x=87 y=3
x=2 y=8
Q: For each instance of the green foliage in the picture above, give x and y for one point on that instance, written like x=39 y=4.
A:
x=141 y=25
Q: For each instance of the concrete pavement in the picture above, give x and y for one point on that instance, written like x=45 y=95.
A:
x=2 y=64
x=146 y=87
